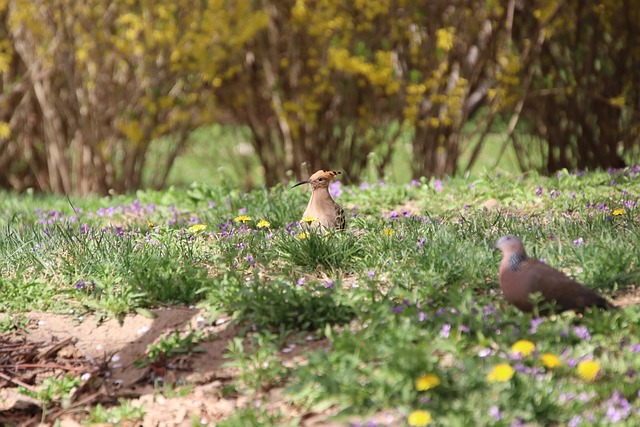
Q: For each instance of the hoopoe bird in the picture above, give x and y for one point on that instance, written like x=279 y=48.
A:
x=322 y=210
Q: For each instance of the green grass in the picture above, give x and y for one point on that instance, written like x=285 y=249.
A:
x=399 y=295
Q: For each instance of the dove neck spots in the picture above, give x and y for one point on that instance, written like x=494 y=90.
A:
x=516 y=260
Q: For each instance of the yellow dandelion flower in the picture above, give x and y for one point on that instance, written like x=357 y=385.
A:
x=427 y=381
x=524 y=347
x=198 y=228
x=242 y=218
x=309 y=219
x=388 y=232
x=303 y=236
x=419 y=418
x=550 y=361
x=263 y=223
x=588 y=370
x=151 y=224
x=500 y=373
x=619 y=211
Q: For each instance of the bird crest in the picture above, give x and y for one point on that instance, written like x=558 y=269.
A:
x=321 y=178
x=328 y=175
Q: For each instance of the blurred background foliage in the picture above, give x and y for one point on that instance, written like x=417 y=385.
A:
x=116 y=95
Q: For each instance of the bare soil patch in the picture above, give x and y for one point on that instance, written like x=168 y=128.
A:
x=106 y=351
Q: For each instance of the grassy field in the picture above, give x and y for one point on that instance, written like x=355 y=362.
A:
x=406 y=303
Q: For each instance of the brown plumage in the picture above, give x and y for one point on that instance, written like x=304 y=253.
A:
x=322 y=208
x=521 y=276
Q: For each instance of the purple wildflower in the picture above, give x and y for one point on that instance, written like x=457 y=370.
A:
x=392 y=214
x=329 y=285
x=301 y=281
x=618 y=407
x=494 y=412
x=578 y=242
x=485 y=352
x=371 y=274
x=635 y=348
x=575 y=421
x=539 y=191
x=414 y=182
x=582 y=333
x=446 y=328
x=535 y=324
x=421 y=316
x=566 y=397
x=421 y=242
x=585 y=397
x=335 y=189
x=212 y=204
x=397 y=309
x=363 y=186
x=437 y=185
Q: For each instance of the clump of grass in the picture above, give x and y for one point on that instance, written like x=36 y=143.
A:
x=279 y=304
x=313 y=249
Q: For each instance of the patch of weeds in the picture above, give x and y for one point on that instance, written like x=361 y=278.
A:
x=372 y=368
x=166 y=279
x=311 y=248
x=250 y=416
x=20 y=294
x=53 y=389
x=13 y=323
x=168 y=390
x=279 y=304
x=117 y=415
x=172 y=344
x=260 y=367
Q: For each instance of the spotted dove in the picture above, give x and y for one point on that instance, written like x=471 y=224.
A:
x=521 y=276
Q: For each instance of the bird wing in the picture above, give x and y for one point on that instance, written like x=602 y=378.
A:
x=556 y=286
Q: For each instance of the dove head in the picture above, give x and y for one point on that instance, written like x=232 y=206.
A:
x=320 y=179
x=510 y=245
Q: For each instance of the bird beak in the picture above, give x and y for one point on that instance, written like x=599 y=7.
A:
x=306 y=181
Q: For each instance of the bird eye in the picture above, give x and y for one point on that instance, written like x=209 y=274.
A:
x=320 y=179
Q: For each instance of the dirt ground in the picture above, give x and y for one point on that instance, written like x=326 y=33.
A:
x=115 y=347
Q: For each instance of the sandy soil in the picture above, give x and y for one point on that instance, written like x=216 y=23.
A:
x=118 y=346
